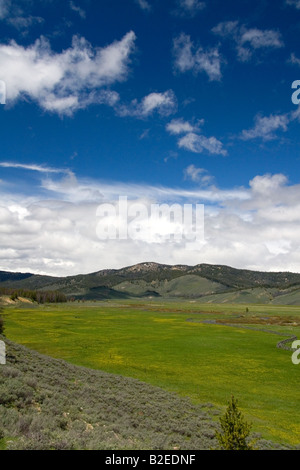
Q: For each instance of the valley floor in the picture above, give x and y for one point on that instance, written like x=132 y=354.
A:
x=194 y=353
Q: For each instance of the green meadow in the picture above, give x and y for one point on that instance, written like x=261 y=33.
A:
x=178 y=347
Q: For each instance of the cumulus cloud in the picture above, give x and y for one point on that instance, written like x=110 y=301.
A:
x=248 y=40
x=179 y=126
x=198 y=143
x=163 y=103
x=188 y=57
x=253 y=227
x=67 y=81
x=192 y=140
x=266 y=127
x=267 y=184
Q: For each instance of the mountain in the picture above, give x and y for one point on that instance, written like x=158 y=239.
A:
x=7 y=276
x=210 y=283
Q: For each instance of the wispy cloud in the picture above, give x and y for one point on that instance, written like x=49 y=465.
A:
x=188 y=57
x=198 y=143
x=248 y=40
x=5 y=6
x=294 y=3
x=189 y=7
x=75 y=189
x=20 y=22
x=14 y=14
x=198 y=175
x=77 y=9
x=144 y=4
x=164 y=103
x=192 y=140
x=294 y=59
x=34 y=167
x=266 y=127
x=67 y=81
x=179 y=126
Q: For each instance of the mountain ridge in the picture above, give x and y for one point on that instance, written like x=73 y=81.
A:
x=163 y=280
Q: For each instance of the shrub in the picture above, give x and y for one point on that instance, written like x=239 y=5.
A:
x=1 y=326
x=235 y=429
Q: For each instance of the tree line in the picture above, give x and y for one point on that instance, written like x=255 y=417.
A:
x=41 y=297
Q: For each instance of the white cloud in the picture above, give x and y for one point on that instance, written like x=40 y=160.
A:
x=258 y=38
x=198 y=143
x=179 y=126
x=192 y=140
x=294 y=59
x=227 y=28
x=67 y=81
x=144 y=4
x=4 y=8
x=14 y=15
x=33 y=167
x=197 y=175
x=253 y=227
x=190 y=7
x=266 y=184
x=294 y=3
x=188 y=57
x=77 y=9
x=20 y=22
x=248 y=40
x=266 y=127
x=162 y=103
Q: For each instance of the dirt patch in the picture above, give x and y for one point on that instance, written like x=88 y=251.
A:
x=26 y=301
x=6 y=300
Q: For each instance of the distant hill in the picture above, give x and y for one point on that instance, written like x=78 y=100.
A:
x=8 y=276
x=211 y=283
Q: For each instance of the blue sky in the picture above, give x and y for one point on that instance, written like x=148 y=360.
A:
x=173 y=101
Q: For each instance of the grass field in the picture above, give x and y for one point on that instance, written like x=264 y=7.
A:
x=169 y=344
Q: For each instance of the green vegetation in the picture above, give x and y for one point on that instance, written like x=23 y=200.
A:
x=1 y=324
x=235 y=429
x=211 y=283
x=41 y=297
x=46 y=404
x=205 y=352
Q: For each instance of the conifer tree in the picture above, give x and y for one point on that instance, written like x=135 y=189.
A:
x=235 y=429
